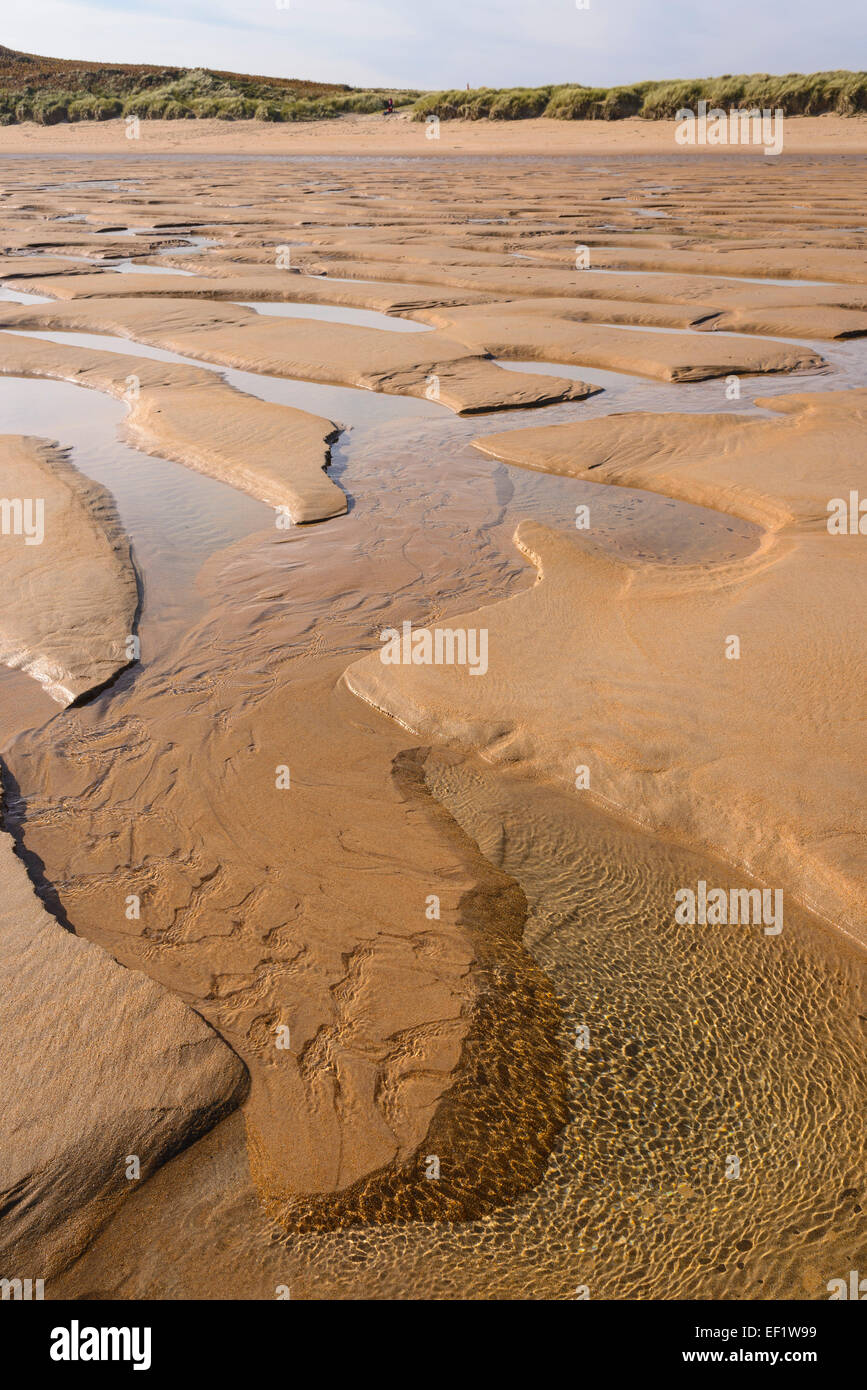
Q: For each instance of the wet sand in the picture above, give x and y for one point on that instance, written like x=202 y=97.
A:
x=286 y=839
x=147 y=1077
x=696 y=1044
x=71 y=637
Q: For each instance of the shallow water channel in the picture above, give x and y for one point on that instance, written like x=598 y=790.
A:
x=702 y=1047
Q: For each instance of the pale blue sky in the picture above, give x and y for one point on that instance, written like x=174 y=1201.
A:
x=448 y=43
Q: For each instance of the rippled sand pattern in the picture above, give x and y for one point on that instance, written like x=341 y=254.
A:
x=704 y=1043
x=707 y=1141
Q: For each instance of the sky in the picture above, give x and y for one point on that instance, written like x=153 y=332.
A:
x=450 y=43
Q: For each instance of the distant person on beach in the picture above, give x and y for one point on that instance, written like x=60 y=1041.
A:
x=389 y=107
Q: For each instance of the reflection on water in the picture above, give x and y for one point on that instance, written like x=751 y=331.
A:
x=126 y=266
x=622 y=391
x=342 y=404
x=331 y=313
x=176 y=518
x=21 y=296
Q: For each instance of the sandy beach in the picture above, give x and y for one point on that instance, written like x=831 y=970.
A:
x=291 y=392
x=399 y=135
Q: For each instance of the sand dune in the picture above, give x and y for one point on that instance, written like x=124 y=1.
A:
x=431 y=303
x=818 y=320
x=804 y=263
x=500 y=278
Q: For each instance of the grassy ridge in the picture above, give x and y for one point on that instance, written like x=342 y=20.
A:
x=798 y=94
x=54 y=90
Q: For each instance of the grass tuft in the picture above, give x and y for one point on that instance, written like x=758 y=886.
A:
x=798 y=94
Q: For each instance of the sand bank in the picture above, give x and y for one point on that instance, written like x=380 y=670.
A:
x=372 y=1029
x=193 y=417
x=599 y=924
x=428 y=365
x=377 y=135
x=71 y=636
x=236 y=282
x=670 y=357
x=761 y=309
x=304 y=906
x=114 y=1067
x=761 y=762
